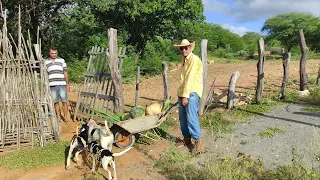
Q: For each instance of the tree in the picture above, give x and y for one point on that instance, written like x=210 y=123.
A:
x=250 y=39
x=34 y=14
x=284 y=27
x=144 y=20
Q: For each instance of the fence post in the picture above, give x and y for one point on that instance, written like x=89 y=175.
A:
x=260 y=67
x=204 y=59
x=285 y=63
x=232 y=86
x=137 y=86
x=114 y=70
x=303 y=61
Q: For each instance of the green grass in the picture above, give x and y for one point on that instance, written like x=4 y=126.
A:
x=221 y=121
x=270 y=132
x=243 y=142
x=176 y=166
x=52 y=154
x=167 y=124
x=312 y=109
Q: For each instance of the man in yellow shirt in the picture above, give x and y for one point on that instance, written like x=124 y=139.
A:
x=189 y=92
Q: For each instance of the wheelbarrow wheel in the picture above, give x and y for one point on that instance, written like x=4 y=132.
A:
x=124 y=139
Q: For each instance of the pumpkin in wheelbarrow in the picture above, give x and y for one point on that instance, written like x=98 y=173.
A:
x=125 y=116
x=154 y=108
x=137 y=111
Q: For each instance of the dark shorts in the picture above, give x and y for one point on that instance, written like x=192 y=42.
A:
x=59 y=93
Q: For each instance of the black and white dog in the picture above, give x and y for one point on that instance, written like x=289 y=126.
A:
x=78 y=143
x=105 y=156
x=89 y=132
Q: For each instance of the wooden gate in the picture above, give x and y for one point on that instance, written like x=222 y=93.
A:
x=97 y=91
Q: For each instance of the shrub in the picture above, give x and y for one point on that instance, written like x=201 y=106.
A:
x=76 y=69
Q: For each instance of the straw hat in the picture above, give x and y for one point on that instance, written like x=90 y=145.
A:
x=185 y=42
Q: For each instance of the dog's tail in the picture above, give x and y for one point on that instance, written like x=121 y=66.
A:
x=122 y=152
x=108 y=132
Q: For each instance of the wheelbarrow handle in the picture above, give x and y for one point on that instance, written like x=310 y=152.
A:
x=166 y=112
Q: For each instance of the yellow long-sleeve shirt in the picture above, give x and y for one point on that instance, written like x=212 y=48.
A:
x=191 y=76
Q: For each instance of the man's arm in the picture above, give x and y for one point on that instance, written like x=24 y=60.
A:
x=65 y=73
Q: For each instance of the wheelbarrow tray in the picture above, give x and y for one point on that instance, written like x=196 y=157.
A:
x=140 y=124
x=144 y=123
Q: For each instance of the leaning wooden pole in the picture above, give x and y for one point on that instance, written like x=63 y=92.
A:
x=165 y=81
x=204 y=59
x=285 y=63
x=210 y=96
x=232 y=86
x=318 y=78
x=114 y=70
x=303 y=61
x=260 y=67
x=137 y=86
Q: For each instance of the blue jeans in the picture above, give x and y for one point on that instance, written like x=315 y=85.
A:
x=59 y=92
x=188 y=116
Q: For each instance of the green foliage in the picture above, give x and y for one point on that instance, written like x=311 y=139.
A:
x=251 y=42
x=155 y=52
x=76 y=70
x=284 y=27
x=34 y=13
x=143 y=20
x=73 y=33
x=51 y=154
x=110 y=118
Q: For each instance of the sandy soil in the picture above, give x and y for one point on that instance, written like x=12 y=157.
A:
x=138 y=163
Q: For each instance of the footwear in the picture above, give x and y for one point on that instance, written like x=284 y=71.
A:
x=198 y=148
x=184 y=142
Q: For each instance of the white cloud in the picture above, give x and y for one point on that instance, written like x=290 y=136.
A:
x=215 y=6
x=238 y=30
x=248 y=10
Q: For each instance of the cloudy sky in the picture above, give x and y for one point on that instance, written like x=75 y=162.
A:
x=241 y=16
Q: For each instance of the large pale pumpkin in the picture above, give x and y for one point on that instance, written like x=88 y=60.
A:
x=154 y=108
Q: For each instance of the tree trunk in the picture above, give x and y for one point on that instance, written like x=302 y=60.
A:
x=204 y=59
x=114 y=70
x=136 y=59
x=260 y=67
x=165 y=81
x=232 y=86
x=137 y=86
x=285 y=63
x=303 y=61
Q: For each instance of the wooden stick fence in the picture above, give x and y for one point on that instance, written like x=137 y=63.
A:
x=26 y=107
